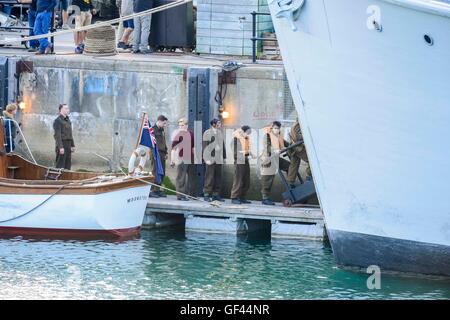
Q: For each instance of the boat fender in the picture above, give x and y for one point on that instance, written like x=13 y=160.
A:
x=142 y=155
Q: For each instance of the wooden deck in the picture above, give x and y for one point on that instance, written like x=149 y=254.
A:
x=305 y=222
x=228 y=210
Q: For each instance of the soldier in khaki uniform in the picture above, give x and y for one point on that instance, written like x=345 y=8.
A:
x=214 y=155
x=65 y=145
x=296 y=154
x=242 y=152
x=270 y=159
x=160 y=136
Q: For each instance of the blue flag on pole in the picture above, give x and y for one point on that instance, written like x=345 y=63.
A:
x=149 y=140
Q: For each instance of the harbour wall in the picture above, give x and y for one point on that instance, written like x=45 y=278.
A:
x=107 y=97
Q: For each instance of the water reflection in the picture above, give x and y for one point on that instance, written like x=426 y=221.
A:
x=173 y=264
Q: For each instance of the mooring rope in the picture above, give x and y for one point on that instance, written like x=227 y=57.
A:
x=214 y=204
x=39 y=205
x=100 y=24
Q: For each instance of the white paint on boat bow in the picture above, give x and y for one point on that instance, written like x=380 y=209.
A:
x=120 y=209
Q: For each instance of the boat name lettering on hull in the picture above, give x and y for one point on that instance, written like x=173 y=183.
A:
x=137 y=198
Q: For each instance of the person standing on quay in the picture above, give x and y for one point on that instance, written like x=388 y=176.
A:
x=126 y=9
x=44 y=9
x=214 y=155
x=160 y=136
x=65 y=145
x=83 y=17
x=34 y=44
x=242 y=152
x=10 y=126
x=296 y=155
x=182 y=156
x=270 y=159
x=142 y=26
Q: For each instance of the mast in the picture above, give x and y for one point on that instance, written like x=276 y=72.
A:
x=140 y=130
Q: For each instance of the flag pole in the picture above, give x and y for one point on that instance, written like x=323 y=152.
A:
x=140 y=130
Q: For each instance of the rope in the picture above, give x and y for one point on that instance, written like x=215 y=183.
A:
x=39 y=205
x=26 y=143
x=52 y=195
x=100 y=24
x=214 y=204
x=157 y=185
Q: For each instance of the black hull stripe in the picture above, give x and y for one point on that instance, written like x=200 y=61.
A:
x=390 y=254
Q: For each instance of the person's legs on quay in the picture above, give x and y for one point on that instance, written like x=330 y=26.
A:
x=217 y=183
x=246 y=182
x=33 y=44
x=137 y=34
x=238 y=183
x=209 y=182
x=146 y=22
x=266 y=187
x=181 y=181
x=42 y=26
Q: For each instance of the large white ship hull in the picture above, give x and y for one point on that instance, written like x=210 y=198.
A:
x=374 y=106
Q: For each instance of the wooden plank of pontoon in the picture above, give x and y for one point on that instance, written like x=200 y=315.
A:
x=228 y=210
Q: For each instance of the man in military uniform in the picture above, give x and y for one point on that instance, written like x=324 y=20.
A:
x=296 y=154
x=65 y=145
x=182 y=156
x=214 y=155
x=241 y=154
x=160 y=136
x=270 y=159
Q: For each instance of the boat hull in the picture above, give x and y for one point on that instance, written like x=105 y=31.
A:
x=117 y=213
x=374 y=107
x=389 y=253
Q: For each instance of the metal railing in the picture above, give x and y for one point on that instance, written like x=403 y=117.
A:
x=254 y=38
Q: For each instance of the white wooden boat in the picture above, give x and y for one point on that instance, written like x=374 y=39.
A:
x=40 y=201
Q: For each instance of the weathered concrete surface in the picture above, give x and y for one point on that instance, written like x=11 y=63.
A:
x=106 y=100
x=108 y=94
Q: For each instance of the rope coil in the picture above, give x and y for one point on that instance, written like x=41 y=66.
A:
x=101 y=41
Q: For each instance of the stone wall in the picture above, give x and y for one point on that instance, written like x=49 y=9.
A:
x=107 y=98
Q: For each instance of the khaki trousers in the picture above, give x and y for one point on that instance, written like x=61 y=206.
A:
x=213 y=179
x=241 y=180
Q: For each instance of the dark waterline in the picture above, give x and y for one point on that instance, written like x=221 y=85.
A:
x=172 y=264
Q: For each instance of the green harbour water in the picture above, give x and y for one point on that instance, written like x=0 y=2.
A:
x=173 y=264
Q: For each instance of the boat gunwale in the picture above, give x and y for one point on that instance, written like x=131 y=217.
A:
x=72 y=186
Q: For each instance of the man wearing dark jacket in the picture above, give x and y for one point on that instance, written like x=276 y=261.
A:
x=44 y=9
x=142 y=26
x=63 y=138
x=160 y=136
